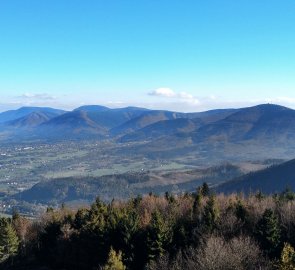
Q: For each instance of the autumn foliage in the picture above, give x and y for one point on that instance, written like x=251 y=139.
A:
x=189 y=231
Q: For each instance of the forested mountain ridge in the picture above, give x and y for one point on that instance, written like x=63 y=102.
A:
x=122 y=186
x=116 y=120
x=259 y=122
x=271 y=180
x=25 y=111
x=32 y=120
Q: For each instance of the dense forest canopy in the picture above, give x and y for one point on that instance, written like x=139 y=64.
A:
x=190 y=231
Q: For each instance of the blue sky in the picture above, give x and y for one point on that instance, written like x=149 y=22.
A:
x=180 y=55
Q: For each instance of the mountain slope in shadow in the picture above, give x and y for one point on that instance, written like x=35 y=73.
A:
x=271 y=180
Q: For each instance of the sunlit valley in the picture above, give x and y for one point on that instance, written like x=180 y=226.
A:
x=140 y=151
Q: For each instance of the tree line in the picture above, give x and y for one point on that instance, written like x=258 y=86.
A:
x=189 y=231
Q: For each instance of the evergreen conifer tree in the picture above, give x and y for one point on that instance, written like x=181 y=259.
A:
x=114 y=261
x=211 y=214
x=8 y=240
x=241 y=211
x=157 y=236
x=205 y=190
x=197 y=203
x=287 y=258
x=268 y=232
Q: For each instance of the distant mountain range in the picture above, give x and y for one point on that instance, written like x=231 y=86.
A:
x=265 y=125
x=203 y=138
x=170 y=124
x=6 y=117
x=33 y=119
x=263 y=121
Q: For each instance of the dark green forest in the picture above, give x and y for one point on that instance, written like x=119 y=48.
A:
x=189 y=231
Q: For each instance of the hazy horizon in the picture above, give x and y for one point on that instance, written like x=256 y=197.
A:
x=151 y=107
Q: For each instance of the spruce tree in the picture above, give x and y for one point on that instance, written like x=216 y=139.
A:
x=287 y=261
x=268 y=233
x=114 y=261
x=241 y=211
x=205 y=190
x=8 y=240
x=80 y=219
x=197 y=203
x=125 y=234
x=157 y=236
x=180 y=236
x=211 y=214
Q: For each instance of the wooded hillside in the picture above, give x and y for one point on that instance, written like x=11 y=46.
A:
x=189 y=231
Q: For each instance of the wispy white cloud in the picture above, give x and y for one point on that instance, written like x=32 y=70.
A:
x=163 y=92
x=182 y=97
x=161 y=98
x=32 y=99
x=183 y=101
x=34 y=96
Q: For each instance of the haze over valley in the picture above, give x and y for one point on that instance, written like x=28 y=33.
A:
x=51 y=156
